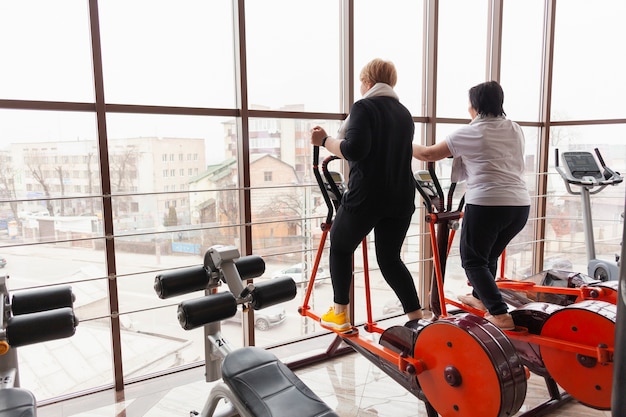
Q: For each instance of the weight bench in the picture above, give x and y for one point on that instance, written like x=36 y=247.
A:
x=254 y=383
x=259 y=385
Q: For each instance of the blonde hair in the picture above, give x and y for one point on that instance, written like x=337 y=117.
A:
x=379 y=71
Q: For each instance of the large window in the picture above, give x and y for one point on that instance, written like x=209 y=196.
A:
x=522 y=58
x=587 y=67
x=48 y=60
x=394 y=33
x=150 y=58
x=126 y=152
x=462 y=55
x=294 y=55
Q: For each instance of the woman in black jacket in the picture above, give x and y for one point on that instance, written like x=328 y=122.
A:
x=376 y=140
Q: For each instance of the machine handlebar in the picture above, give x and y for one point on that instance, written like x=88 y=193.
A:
x=331 y=192
x=429 y=187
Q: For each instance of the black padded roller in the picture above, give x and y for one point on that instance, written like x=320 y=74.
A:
x=182 y=281
x=251 y=266
x=200 y=311
x=42 y=299
x=272 y=292
x=41 y=326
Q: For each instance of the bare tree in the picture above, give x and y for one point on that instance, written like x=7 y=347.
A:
x=59 y=171
x=7 y=185
x=285 y=204
x=36 y=163
x=89 y=157
x=123 y=166
x=228 y=204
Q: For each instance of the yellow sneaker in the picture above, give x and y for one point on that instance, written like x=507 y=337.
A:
x=334 y=321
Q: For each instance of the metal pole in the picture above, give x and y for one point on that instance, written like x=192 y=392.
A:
x=618 y=399
x=590 y=242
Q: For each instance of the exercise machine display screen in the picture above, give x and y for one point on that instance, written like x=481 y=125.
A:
x=581 y=164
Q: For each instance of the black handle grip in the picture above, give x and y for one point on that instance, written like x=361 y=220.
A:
x=200 y=311
x=273 y=292
x=27 y=329
x=250 y=266
x=32 y=301
x=172 y=283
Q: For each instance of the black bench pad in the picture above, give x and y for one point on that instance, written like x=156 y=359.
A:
x=268 y=388
x=17 y=402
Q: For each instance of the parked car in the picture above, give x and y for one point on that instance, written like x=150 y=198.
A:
x=3 y=261
x=300 y=274
x=265 y=318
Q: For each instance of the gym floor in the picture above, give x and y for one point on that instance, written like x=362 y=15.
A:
x=349 y=383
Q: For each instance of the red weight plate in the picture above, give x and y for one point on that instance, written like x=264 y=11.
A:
x=583 y=376
x=471 y=368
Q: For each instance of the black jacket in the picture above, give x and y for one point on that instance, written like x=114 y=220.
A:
x=378 y=147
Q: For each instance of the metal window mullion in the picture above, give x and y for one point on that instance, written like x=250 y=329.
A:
x=347 y=55
x=429 y=110
x=107 y=208
x=544 y=134
x=429 y=71
x=243 y=150
x=494 y=40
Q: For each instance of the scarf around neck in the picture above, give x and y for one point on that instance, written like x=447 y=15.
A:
x=378 y=90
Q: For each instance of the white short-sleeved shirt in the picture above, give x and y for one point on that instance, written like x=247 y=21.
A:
x=489 y=154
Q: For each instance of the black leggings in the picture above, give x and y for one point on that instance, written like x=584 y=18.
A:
x=347 y=231
x=486 y=232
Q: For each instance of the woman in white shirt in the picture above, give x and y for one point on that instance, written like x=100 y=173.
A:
x=489 y=154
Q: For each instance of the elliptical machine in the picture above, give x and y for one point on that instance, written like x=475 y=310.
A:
x=460 y=366
x=580 y=169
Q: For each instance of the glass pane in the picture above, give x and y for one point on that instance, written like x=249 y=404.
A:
x=175 y=183
x=48 y=60
x=289 y=141
x=147 y=152
x=49 y=173
x=293 y=55
x=522 y=43
x=588 y=67
x=75 y=129
x=168 y=53
x=462 y=54
x=70 y=365
x=154 y=341
x=394 y=34
x=139 y=259
x=287 y=204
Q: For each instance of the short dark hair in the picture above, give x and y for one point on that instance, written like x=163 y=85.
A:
x=487 y=99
